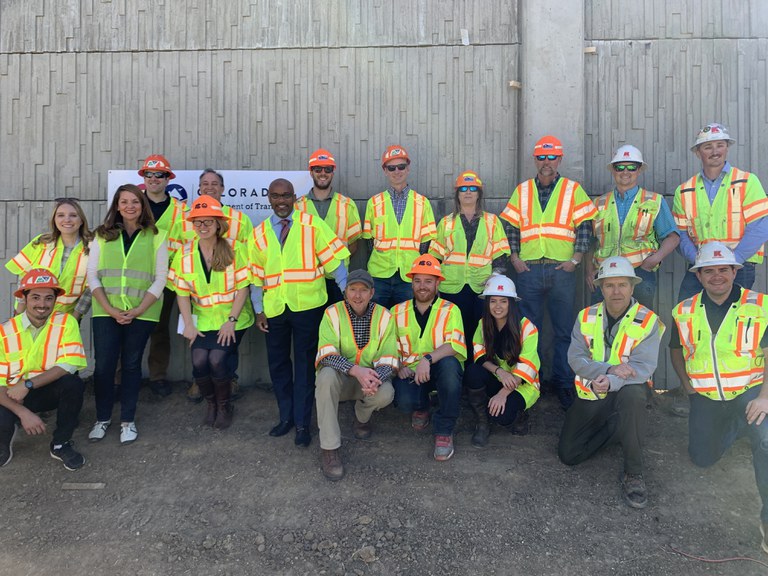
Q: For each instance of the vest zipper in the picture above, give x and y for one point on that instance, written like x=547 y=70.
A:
x=714 y=366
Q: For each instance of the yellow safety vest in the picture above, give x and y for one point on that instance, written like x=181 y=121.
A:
x=739 y=201
x=337 y=337
x=72 y=278
x=396 y=246
x=636 y=325
x=444 y=325
x=22 y=357
x=343 y=217
x=212 y=301
x=126 y=278
x=171 y=223
x=636 y=239
x=294 y=275
x=551 y=233
x=240 y=229
x=723 y=365
x=527 y=366
x=473 y=268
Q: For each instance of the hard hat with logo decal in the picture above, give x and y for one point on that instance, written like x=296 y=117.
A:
x=548 y=145
x=715 y=254
x=468 y=178
x=38 y=278
x=627 y=153
x=426 y=264
x=616 y=267
x=712 y=132
x=395 y=152
x=498 y=285
x=206 y=207
x=157 y=163
x=321 y=157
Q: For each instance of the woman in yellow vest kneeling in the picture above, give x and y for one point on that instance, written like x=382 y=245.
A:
x=64 y=251
x=127 y=270
x=506 y=363
x=211 y=276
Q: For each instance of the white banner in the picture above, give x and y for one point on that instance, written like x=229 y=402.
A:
x=244 y=190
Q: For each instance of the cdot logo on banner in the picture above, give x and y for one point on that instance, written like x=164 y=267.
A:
x=244 y=190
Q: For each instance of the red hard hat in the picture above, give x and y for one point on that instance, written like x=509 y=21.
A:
x=157 y=163
x=38 y=278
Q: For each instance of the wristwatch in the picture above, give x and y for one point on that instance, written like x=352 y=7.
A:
x=28 y=384
x=232 y=319
x=428 y=358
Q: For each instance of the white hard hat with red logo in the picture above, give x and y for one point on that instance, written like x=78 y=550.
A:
x=616 y=267
x=498 y=285
x=627 y=153
x=715 y=254
x=712 y=132
x=38 y=278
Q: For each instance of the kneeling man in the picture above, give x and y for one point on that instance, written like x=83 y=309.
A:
x=356 y=354
x=614 y=351
x=40 y=353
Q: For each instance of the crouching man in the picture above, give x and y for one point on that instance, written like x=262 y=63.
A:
x=356 y=354
x=614 y=351
x=40 y=353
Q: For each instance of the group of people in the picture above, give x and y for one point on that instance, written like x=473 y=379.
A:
x=399 y=330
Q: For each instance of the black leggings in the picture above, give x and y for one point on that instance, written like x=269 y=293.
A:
x=478 y=377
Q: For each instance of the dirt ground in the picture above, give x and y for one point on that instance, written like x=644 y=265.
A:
x=189 y=500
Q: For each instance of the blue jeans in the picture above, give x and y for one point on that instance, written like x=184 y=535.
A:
x=745 y=277
x=644 y=292
x=713 y=426
x=113 y=341
x=392 y=290
x=294 y=382
x=445 y=377
x=557 y=288
x=471 y=307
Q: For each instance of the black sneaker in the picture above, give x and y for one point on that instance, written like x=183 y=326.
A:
x=6 y=446
x=71 y=458
x=161 y=388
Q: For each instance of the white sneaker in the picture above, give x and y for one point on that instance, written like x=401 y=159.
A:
x=128 y=432
x=99 y=430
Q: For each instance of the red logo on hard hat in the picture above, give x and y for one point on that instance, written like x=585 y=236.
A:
x=626 y=154
x=500 y=287
x=715 y=130
x=718 y=254
x=612 y=265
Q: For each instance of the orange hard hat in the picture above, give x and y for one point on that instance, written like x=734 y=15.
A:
x=206 y=206
x=426 y=264
x=321 y=157
x=38 y=278
x=548 y=145
x=395 y=152
x=468 y=178
x=157 y=163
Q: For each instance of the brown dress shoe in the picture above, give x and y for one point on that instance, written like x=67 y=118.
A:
x=333 y=469
x=362 y=430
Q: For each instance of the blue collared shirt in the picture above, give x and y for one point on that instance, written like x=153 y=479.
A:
x=663 y=225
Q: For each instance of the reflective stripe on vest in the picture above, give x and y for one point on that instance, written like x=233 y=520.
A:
x=723 y=365
x=636 y=325
x=340 y=216
x=444 y=325
x=636 y=239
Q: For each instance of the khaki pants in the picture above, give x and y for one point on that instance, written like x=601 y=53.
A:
x=332 y=387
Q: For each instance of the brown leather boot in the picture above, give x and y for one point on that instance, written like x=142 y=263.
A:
x=206 y=389
x=478 y=399
x=333 y=469
x=224 y=408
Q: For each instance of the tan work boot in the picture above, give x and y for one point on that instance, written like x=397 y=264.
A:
x=194 y=394
x=333 y=469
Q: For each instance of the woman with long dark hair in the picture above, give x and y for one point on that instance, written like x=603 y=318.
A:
x=506 y=364
x=127 y=271
x=211 y=277
x=64 y=251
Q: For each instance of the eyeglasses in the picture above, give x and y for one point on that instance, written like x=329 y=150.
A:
x=203 y=223
x=321 y=169
x=159 y=175
x=627 y=167
x=550 y=157
x=469 y=189
x=400 y=167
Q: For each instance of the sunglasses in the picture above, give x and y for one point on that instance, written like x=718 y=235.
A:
x=543 y=157
x=203 y=223
x=469 y=189
x=627 y=167
x=160 y=175
x=400 y=167
x=321 y=169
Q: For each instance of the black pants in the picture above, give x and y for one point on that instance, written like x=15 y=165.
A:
x=592 y=424
x=64 y=395
x=478 y=377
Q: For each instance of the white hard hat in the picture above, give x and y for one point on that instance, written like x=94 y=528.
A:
x=712 y=132
x=498 y=285
x=715 y=254
x=616 y=267
x=627 y=153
